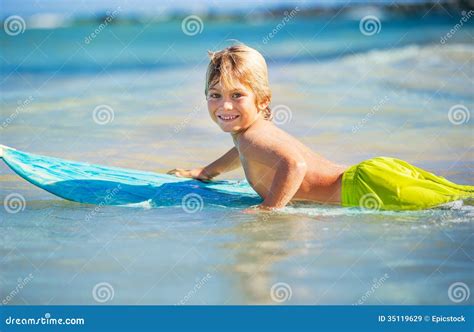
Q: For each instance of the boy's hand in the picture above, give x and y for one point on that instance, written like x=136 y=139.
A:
x=197 y=173
x=258 y=209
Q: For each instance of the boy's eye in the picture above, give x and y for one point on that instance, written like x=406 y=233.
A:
x=237 y=95
x=214 y=95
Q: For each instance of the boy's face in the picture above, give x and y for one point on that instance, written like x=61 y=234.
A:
x=233 y=109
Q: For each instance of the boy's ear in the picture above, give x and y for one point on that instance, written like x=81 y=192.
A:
x=263 y=104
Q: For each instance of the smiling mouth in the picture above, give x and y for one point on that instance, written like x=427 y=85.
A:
x=228 y=118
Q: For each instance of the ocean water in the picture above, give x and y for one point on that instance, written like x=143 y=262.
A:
x=400 y=92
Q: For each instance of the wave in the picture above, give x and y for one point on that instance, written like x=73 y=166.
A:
x=48 y=21
x=430 y=55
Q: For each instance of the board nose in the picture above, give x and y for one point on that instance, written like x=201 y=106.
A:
x=2 y=148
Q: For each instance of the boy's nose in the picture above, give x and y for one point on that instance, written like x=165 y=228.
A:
x=227 y=105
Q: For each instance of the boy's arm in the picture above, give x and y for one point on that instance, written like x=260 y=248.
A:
x=290 y=168
x=228 y=162
x=288 y=178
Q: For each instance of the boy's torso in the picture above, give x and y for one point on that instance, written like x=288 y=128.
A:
x=323 y=179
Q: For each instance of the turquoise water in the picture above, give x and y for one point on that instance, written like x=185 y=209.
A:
x=346 y=95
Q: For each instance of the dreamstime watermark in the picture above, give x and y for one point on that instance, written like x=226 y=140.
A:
x=464 y=19
x=22 y=106
x=281 y=292
x=288 y=16
x=376 y=284
x=281 y=114
x=14 y=203
x=103 y=114
x=192 y=203
x=14 y=25
x=459 y=292
x=183 y=124
x=199 y=284
x=377 y=108
x=111 y=193
x=370 y=202
x=103 y=292
x=110 y=17
x=46 y=320
x=370 y=25
x=459 y=114
x=22 y=282
x=192 y=25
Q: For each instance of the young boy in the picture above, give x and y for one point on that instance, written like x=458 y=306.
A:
x=280 y=168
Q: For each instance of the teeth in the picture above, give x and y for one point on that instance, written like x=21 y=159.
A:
x=229 y=117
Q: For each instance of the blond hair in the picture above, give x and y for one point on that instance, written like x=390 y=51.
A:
x=244 y=64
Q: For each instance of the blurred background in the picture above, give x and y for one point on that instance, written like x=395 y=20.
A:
x=121 y=83
x=344 y=73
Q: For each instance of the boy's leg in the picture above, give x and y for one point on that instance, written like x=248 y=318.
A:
x=393 y=184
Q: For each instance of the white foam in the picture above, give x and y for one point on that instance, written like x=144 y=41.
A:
x=144 y=205
x=455 y=205
x=47 y=21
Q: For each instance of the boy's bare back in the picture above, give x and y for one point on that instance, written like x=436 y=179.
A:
x=264 y=147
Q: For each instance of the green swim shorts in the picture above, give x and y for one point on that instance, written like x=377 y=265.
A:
x=392 y=184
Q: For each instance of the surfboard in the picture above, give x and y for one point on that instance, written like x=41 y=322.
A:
x=104 y=185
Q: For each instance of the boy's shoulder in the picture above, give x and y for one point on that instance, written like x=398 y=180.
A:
x=261 y=131
x=264 y=135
